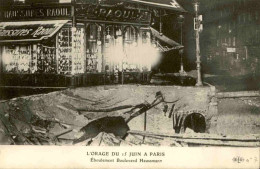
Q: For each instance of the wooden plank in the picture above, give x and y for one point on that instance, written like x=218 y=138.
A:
x=238 y=94
x=248 y=138
x=219 y=143
x=33 y=87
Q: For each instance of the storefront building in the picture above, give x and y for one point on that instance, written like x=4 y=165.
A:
x=82 y=42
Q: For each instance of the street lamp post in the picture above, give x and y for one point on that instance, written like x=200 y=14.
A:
x=197 y=26
x=181 y=20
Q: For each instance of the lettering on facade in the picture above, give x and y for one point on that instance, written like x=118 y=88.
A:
x=12 y=14
x=15 y=32
x=112 y=13
x=29 y=32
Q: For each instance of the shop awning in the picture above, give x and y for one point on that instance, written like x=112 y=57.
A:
x=29 y=30
x=166 y=4
x=173 y=44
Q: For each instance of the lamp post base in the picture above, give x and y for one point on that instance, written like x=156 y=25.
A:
x=198 y=84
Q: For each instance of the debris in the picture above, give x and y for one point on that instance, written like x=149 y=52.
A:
x=87 y=109
x=39 y=130
x=108 y=139
x=189 y=131
x=115 y=125
x=80 y=116
x=5 y=139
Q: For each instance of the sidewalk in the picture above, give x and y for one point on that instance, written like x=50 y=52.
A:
x=226 y=83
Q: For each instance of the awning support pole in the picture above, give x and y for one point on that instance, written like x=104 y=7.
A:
x=73 y=13
x=73 y=31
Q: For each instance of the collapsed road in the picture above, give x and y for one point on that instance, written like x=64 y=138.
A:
x=108 y=116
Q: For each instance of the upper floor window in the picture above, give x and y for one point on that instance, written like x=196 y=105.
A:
x=239 y=19
x=19 y=1
x=234 y=41
x=229 y=41
x=257 y=36
x=65 y=1
x=249 y=17
x=244 y=18
x=41 y=1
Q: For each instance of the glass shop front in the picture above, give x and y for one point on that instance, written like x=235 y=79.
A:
x=108 y=44
x=35 y=52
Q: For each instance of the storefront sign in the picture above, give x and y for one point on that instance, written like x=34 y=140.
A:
x=31 y=30
x=36 y=12
x=231 y=50
x=112 y=13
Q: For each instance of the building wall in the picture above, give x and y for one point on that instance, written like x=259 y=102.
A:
x=232 y=33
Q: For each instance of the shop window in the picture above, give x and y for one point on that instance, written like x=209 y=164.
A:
x=131 y=49
x=70 y=51
x=109 y=35
x=17 y=58
x=93 y=48
x=130 y=35
x=63 y=55
x=234 y=41
x=64 y=49
x=146 y=37
x=43 y=59
x=78 y=51
x=30 y=58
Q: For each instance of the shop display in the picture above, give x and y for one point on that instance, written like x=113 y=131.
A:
x=78 y=54
x=93 y=34
x=16 y=59
x=122 y=50
x=64 y=49
x=29 y=59
x=46 y=62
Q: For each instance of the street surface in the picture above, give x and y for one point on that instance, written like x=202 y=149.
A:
x=233 y=83
x=238 y=116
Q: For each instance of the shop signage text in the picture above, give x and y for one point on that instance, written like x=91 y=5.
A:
x=112 y=13
x=231 y=50
x=31 y=13
x=27 y=32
